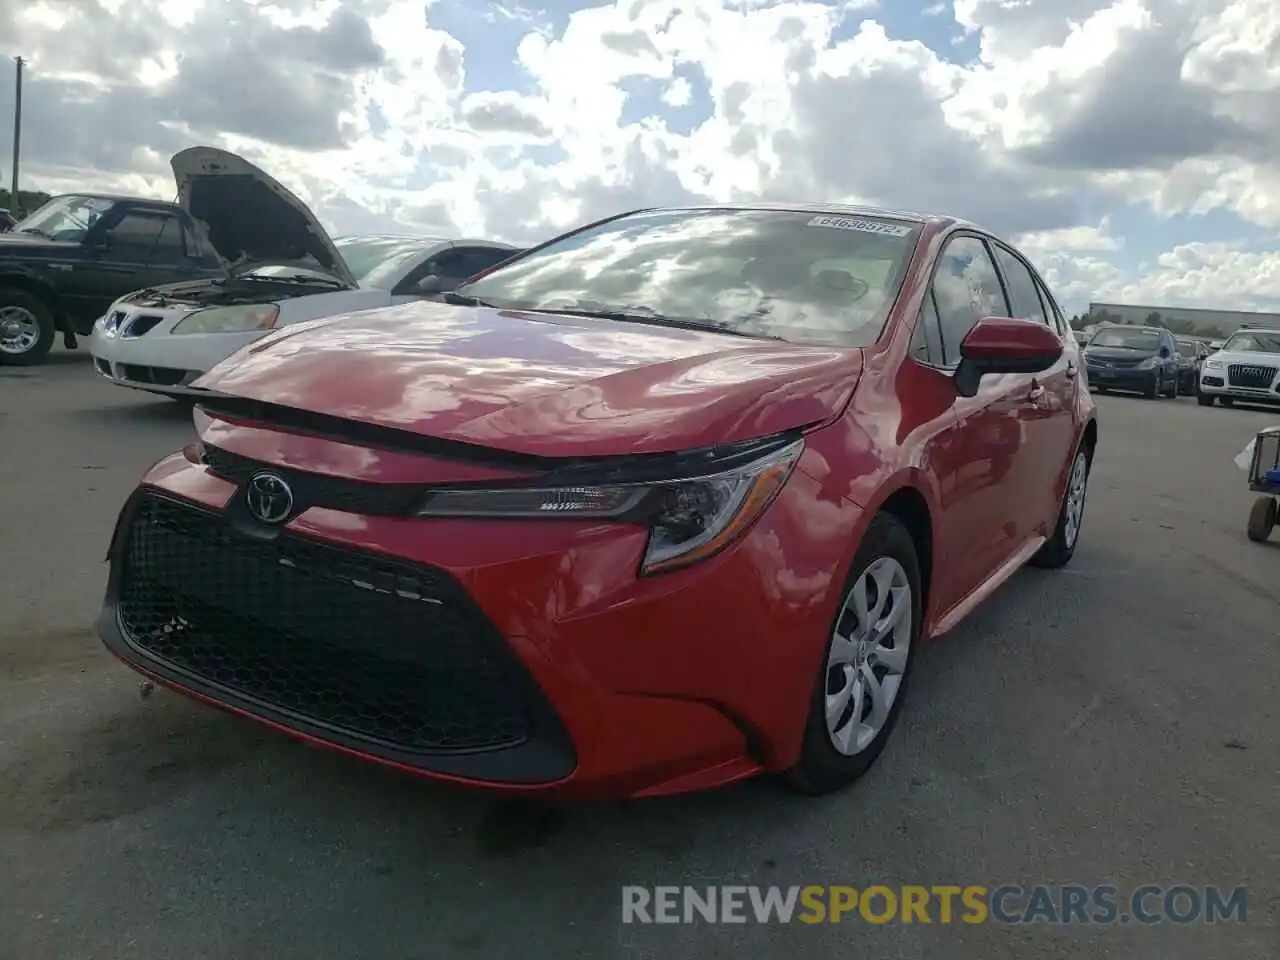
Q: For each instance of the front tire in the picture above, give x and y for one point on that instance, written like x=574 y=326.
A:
x=1156 y=390
x=27 y=328
x=1058 y=550
x=1204 y=400
x=866 y=665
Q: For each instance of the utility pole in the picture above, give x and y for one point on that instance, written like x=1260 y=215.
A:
x=17 y=135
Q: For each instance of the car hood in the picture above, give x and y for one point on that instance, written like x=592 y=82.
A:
x=248 y=216
x=1118 y=353
x=541 y=385
x=1249 y=357
x=17 y=244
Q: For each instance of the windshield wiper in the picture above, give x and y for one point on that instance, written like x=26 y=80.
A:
x=656 y=320
x=295 y=278
x=461 y=300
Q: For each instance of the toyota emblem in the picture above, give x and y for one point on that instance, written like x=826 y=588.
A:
x=269 y=498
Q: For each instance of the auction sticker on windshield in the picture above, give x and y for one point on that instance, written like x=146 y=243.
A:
x=862 y=226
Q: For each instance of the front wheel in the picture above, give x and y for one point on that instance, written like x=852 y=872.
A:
x=863 y=677
x=1058 y=550
x=27 y=328
x=1204 y=400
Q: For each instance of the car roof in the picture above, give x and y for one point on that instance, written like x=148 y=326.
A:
x=116 y=198
x=1269 y=332
x=839 y=209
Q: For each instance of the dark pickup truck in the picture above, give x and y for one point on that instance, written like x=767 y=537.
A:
x=62 y=266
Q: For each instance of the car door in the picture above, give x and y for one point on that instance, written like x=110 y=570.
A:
x=983 y=518
x=118 y=256
x=1046 y=413
x=175 y=255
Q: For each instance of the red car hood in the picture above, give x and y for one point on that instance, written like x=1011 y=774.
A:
x=542 y=385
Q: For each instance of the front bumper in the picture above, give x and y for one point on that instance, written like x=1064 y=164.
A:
x=1123 y=378
x=158 y=359
x=1217 y=382
x=630 y=687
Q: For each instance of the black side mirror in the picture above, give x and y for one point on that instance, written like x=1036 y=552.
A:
x=429 y=284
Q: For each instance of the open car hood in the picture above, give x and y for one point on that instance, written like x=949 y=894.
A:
x=249 y=217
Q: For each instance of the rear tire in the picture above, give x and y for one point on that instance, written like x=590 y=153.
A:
x=887 y=567
x=1058 y=550
x=27 y=328
x=1262 y=519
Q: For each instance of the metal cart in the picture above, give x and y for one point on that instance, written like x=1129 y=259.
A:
x=1264 y=478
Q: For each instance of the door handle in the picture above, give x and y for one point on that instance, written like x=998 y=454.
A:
x=1071 y=370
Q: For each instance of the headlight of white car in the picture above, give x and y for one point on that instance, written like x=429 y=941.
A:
x=238 y=319
x=1212 y=364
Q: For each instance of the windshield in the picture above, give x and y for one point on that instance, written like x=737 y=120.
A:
x=1133 y=338
x=827 y=280
x=65 y=218
x=381 y=261
x=1255 y=342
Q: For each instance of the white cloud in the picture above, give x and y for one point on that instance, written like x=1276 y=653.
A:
x=378 y=116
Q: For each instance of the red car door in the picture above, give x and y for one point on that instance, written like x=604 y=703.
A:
x=978 y=460
x=1048 y=399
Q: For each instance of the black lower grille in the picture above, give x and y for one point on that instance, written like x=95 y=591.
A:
x=378 y=650
x=1251 y=375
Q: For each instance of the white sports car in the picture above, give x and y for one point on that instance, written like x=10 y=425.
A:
x=281 y=267
x=1247 y=368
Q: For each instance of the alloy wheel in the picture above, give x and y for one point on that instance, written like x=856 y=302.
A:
x=868 y=657
x=1074 y=508
x=19 y=330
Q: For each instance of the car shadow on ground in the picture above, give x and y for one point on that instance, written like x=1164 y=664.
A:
x=147 y=409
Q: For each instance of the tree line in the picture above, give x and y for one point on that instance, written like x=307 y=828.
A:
x=28 y=200
x=1180 y=326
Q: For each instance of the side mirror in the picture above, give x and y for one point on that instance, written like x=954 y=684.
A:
x=429 y=284
x=1004 y=345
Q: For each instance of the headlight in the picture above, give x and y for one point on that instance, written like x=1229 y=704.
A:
x=1212 y=364
x=239 y=319
x=688 y=519
x=1148 y=364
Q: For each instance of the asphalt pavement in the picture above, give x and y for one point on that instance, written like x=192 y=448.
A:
x=1112 y=723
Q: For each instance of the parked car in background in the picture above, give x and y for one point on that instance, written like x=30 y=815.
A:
x=1246 y=368
x=163 y=338
x=1133 y=359
x=64 y=264
x=1190 y=355
x=669 y=501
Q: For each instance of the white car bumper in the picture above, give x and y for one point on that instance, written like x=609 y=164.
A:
x=136 y=347
x=1242 y=381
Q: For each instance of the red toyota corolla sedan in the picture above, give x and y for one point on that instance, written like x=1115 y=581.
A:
x=667 y=502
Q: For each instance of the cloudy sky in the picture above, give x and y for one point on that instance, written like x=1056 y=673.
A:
x=1131 y=146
